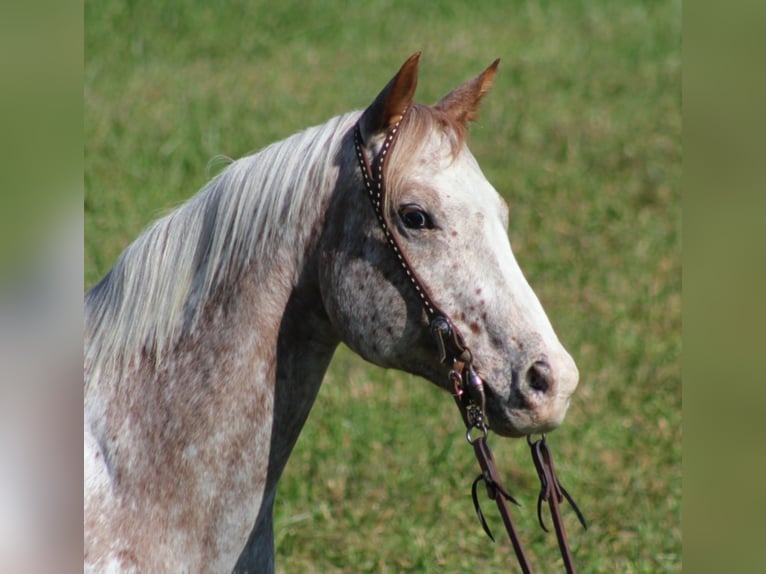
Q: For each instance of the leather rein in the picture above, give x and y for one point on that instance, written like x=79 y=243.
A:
x=468 y=387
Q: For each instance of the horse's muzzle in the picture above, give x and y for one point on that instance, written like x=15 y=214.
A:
x=537 y=397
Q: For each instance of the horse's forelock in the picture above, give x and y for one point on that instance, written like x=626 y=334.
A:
x=421 y=121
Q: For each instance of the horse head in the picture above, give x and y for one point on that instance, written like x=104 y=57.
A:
x=452 y=225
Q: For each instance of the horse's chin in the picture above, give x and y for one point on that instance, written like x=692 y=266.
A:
x=513 y=422
x=516 y=430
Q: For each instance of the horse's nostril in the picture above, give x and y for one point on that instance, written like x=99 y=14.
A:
x=539 y=377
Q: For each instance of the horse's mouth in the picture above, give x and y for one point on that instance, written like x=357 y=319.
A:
x=516 y=416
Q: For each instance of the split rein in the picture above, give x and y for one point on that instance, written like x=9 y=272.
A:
x=468 y=387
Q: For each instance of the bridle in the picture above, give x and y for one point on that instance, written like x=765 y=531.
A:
x=468 y=387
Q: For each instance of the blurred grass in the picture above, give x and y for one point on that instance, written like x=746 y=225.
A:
x=581 y=135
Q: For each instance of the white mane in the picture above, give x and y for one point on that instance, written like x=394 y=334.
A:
x=158 y=287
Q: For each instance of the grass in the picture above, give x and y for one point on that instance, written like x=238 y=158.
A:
x=581 y=135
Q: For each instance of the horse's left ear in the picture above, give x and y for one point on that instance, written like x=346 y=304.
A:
x=462 y=103
x=392 y=102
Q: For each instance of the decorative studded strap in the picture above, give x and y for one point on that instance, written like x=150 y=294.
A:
x=448 y=338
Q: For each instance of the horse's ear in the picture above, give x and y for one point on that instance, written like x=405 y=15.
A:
x=462 y=103
x=393 y=100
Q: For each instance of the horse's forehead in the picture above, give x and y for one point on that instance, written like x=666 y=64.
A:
x=437 y=166
x=459 y=180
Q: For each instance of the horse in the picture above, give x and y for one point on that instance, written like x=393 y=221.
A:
x=206 y=343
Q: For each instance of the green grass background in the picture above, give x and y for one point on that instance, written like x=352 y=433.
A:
x=581 y=134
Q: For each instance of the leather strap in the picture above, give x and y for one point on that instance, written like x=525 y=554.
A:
x=553 y=493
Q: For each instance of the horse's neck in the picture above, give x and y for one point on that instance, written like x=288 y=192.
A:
x=187 y=447
x=199 y=441
x=305 y=346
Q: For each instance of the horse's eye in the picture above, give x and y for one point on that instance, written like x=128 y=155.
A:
x=414 y=217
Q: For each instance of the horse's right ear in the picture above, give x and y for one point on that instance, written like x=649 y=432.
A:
x=392 y=102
